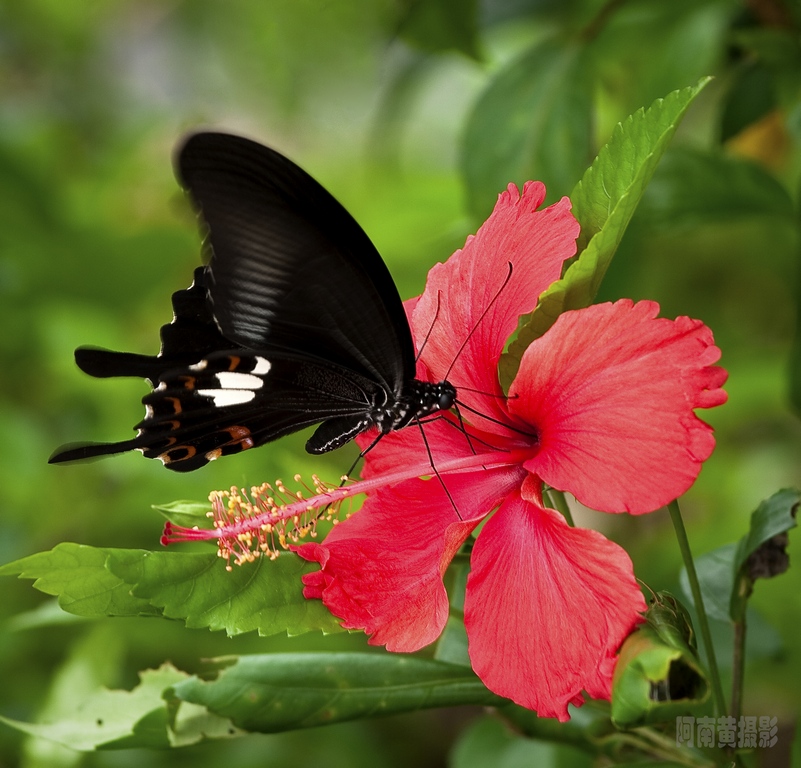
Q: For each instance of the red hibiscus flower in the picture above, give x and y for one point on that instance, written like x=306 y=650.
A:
x=602 y=407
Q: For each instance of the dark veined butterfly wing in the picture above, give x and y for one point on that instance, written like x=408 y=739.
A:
x=294 y=320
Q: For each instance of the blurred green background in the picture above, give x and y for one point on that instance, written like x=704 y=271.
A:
x=415 y=115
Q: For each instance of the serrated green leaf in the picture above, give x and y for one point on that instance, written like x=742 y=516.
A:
x=114 y=719
x=280 y=692
x=437 y=26
x=77 y=574
x=186 y=513
x=604 y=202
x=266 y=595
x=533 y=121
x=610 y=189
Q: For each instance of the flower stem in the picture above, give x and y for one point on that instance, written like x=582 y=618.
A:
x=559 y=502
x=695 y=587
x=738 y=668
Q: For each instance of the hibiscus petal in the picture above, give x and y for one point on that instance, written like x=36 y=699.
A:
x=611 y=390
x=547 y=607
x=444 y=441
x=466 y=299
x=381 y=569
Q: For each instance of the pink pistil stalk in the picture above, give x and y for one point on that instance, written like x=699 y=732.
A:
x=273 y=518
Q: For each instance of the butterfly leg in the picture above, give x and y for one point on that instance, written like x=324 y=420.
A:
x=434 y=468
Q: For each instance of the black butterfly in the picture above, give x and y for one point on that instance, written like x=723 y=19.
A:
x=295 y=320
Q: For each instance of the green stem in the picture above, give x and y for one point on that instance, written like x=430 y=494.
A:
x=738 y=668
x=593 y=29
x=559 y=503
x=695 y=587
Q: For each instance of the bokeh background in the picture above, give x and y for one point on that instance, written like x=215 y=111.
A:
x=415 y=114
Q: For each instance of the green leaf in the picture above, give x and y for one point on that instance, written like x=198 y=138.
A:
x=589 y=727
x=285 y=691
x=532 y=122
x=658 y=675
x=77 y=574
x=604 y=202
x=727 y=574
x=92 y=661
x=694 y=188
x=761 y=552
x=794 y=363
x=489 y=742
x=452 y=644
x=716 y=576
x=186 y=513
x=771 y=518
x=751 y=96
x=114 y=719
x=266 y=595
x=437 y=26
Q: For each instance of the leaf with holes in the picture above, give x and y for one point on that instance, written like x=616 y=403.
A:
x=129 y=719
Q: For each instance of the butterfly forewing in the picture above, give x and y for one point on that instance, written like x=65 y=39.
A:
x=288 y=266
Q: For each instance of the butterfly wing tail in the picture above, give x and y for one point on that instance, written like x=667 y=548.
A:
x=104 y=364
x=81 y=451
x=88 y=451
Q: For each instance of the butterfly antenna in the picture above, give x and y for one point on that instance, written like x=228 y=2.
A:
x=478 y=322
x=462 y=429
x=497 y=421
x=489 y=394
x=430 y=328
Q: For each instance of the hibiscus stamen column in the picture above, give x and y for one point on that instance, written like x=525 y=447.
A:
x=271 y=518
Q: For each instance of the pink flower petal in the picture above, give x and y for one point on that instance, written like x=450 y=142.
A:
x=611 y=390
x=547 y=607
x=444 y=441
x=382 y=568
x=466 y=295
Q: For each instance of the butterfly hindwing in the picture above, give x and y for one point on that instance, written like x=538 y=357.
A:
x=211 y=400
x=229 y=402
